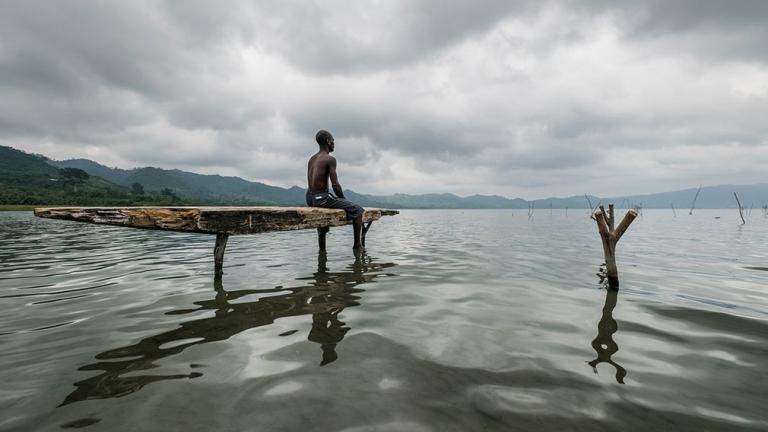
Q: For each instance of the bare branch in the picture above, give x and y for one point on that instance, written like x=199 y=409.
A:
x=611 y=217
x=628 y=218
x=694 y=200
x=602 y=225
x=741 y=211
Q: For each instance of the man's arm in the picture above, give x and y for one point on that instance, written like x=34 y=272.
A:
x=335 y=185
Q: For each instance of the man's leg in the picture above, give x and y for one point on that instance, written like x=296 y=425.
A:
x=354 y=213
x=357 y=226
x=321 y=232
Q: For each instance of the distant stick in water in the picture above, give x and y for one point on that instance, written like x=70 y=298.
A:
x=610 y=236
x=741 y=209
x=673 y=209
x=592 y=209
x=694 y=200
x=589 y=202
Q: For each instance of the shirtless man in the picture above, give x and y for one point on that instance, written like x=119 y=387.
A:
x=320 y=168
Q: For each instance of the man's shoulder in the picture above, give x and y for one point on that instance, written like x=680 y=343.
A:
x=322 y=159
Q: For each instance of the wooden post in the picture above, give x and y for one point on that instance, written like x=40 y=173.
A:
x=218 y=253
x=741 y=209
x=321 y=232
x=610 y=236
x=694 y=200
x=366 y=227
x=589 y=202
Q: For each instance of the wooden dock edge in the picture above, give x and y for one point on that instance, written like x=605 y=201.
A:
x=211 y=220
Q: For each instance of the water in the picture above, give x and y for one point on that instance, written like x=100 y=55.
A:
x=452 y=320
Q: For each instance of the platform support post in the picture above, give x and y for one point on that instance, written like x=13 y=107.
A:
x=610 y=236
x=366 y=227
x=321 y=232
x=218 y=253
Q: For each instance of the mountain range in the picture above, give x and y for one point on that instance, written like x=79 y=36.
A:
x=194 y=187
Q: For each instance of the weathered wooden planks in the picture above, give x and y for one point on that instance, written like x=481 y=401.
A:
x=212 y=220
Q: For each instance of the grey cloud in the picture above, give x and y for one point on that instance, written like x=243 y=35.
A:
x=70 y=71
x=103 y=43
x=663 y=17
x=712 y=29
x=392 y=131
x=90 y=120
x=163 y=83
x=30 y=70
x=317 y=39
x=214 y=114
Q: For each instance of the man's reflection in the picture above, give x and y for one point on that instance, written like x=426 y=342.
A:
x=603 y=344
x=327 y=329
x=324 y=297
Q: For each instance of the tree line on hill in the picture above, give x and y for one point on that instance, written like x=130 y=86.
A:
x=28 y=179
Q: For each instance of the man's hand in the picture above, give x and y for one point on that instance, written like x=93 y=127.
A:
x=337 y=190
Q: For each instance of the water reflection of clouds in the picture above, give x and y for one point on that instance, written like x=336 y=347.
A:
x=324 y=296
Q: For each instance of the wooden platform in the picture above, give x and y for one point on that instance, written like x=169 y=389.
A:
x=211 y=220
x=222 y=221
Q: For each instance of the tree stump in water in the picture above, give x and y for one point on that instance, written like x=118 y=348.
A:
x=610 y=236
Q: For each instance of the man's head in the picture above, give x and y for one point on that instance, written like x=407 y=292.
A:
x=324 y=138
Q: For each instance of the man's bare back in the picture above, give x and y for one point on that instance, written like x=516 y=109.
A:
x=318 y=170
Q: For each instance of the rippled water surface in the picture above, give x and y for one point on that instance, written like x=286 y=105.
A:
x=451 y=321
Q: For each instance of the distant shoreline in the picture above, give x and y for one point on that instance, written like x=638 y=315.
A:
x=11 y=207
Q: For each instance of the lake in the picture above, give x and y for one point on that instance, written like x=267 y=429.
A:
x=452 y=320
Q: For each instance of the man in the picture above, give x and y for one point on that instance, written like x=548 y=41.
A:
x=320 y=168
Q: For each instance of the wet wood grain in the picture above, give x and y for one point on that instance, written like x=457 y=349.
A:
x=212 y=220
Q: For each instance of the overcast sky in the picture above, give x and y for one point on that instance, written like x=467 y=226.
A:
x=522 y=99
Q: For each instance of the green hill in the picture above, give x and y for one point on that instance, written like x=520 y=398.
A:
x=191 y=185
x=26 y=171
x=29 y=179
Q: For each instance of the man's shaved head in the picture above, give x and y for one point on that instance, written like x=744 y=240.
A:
x=323 y=136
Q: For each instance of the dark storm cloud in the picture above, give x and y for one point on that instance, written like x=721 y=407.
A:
x=470 y=96
x=659 y=17
x=71 y=71
x=103 y=43
x=352 y=37
x=713 y=29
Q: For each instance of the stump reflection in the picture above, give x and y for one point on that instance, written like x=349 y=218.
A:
x=323 y=297
x=603 y=343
